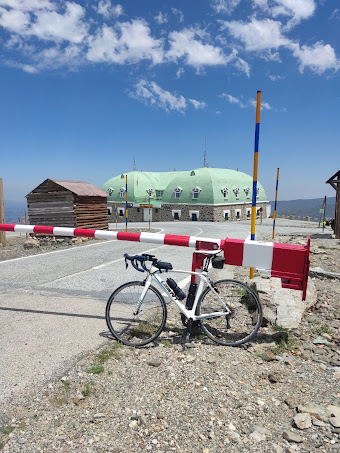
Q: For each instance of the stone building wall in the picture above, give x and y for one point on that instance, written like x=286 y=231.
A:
x=204 y=213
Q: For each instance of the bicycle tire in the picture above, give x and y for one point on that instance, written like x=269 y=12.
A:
x=128 y=328
x=246 y=313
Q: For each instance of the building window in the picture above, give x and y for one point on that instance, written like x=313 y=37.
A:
x=150 y=192
x=225 y=193
x=247 y=191
x=156 y=210
x=192 y=173
x=236 y=192
x=195 y=193
x=121 y=192
x=121 y=212
x=226 y=215
x=159 y=193
x=109 y=190
x=194 y=215
x=176 y=214
x=178 y=192
x=238 y=214
x=109 y=210
x=248 y=213
x=257 y=192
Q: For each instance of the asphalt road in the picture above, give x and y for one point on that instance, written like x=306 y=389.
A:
x=52 y=305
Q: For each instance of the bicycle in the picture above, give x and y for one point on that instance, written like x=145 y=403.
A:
x=229 y=312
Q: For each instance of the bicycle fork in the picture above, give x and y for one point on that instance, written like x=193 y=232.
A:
x=139 y=303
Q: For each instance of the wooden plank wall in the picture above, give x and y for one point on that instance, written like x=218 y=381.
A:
x=51 y=209
x=91 y=212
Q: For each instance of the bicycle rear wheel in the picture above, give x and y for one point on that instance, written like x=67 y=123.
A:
x=125 y=325
x=245 y=319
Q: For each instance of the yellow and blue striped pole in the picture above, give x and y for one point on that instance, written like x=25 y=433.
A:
x=126 y=204
x=277 y=185
x=256 y=157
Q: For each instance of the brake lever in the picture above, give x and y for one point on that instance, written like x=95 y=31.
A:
x=126 y=263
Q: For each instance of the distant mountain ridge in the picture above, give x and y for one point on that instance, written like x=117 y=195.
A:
x=13 y=210
x=300 y=209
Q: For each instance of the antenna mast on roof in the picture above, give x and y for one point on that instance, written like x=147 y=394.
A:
x=134 y=163
x=205 y=152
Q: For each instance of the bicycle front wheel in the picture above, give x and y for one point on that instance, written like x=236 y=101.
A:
x=244 y=319
x=130 y=328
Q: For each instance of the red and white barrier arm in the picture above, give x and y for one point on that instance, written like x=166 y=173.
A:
x=286 y=261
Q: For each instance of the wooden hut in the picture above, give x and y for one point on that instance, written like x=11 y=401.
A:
x=75 y=204
x=334 y=181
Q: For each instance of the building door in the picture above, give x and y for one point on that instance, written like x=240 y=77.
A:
x=146 y=215
x=194 y=217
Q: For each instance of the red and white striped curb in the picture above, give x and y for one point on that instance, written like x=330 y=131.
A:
x=286 y=261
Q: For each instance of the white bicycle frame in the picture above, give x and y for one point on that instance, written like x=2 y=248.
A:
x=203 y=280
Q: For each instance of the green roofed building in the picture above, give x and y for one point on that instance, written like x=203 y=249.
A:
x=204 y=194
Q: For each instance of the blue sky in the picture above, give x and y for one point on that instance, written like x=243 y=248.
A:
x=86 y=86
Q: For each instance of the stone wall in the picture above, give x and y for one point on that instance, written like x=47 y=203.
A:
x=205 y=213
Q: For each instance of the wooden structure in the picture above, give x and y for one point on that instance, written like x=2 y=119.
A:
x=75 y=204
x=334 y=181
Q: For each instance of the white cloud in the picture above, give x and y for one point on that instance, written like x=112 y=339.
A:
x=198 y=104
x=270 y=55
x=106 y=9
x=25 y=67
x=296 y=9
x=233 y=100
x=153 y=94
x=273 y=78
x=28 y=5
x=179 y=72
x=14 y=20
x=188 y=44
x=178 y=13
x=319 y=57
x=244 y=104
x=243 y=66
x=56 y=57
x=264 y=105
x=224 y=6
x=257 y=34
x=218 y=112
x=161 y=18
x=53 y=26
x=128 y=42
x=335 y=14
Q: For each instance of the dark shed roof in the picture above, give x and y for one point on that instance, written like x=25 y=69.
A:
x=80 y=188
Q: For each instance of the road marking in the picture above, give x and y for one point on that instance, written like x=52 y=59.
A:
x=95 y=268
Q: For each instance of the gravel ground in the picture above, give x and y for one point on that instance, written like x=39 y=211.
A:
x=279 y=394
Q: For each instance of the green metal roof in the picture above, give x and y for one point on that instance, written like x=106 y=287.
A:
x=214 y=186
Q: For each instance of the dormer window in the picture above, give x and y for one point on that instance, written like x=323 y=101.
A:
x=195 y=193
x=257 y=192
x=109 y=190
x=121 y=192
x=178 y=191
x=150 y=192
x=236 y=192
x=225 y=192
x=247 y=191
x=192 y=173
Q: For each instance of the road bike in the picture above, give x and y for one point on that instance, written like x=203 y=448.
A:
x=229 y=312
